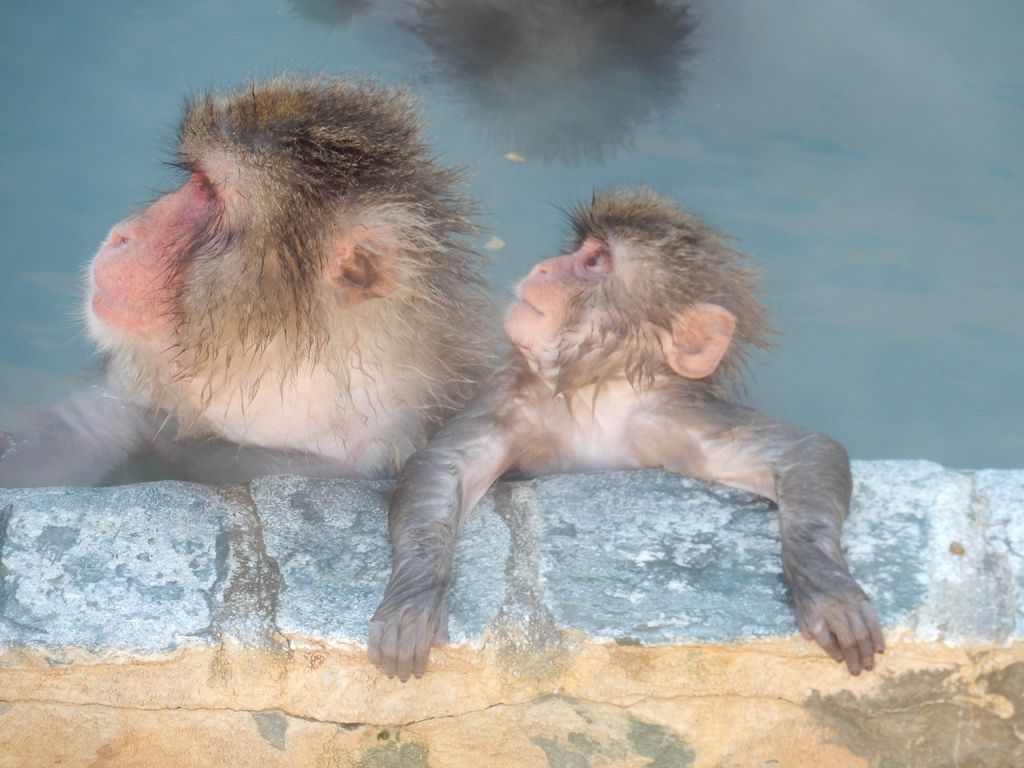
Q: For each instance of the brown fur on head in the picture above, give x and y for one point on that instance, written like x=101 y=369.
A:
x=310 y=157
x=300 y=166
x=673 y=261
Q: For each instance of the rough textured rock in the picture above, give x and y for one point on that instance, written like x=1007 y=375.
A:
x=1000 y=497
x=330 y=541
x=132 y=568
x=599 y=620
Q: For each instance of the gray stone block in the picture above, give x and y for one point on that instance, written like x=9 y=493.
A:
x=134 y=568
x=330 y=541
x=1000 y=493
x=653 y=557
x=633 y=556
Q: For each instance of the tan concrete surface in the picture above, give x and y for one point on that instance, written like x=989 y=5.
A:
x=767 y=704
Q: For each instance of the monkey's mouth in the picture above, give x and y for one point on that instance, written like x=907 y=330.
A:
x=525 y=303
x=114 y=313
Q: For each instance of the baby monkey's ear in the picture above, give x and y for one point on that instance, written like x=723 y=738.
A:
x=699 y=339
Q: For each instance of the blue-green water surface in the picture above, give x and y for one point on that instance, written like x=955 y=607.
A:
x=868 y=155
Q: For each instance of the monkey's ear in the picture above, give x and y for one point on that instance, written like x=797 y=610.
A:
x=699 y=340
x=361 y=266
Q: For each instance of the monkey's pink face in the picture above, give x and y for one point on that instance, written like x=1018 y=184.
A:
x=139 y=269
x=536 y=321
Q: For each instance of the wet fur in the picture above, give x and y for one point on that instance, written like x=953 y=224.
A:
x=680 y=262
x=592 y=388
x=311 y=156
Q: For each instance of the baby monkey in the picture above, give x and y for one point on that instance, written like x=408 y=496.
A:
x=628 y=350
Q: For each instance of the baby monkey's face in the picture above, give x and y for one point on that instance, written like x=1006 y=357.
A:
x=536 y=321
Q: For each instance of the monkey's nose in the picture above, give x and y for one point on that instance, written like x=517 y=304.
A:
x=124 y=232
x=119 y=237
x=543 y=268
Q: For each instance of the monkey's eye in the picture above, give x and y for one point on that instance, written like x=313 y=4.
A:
x=597 y=262
x=203 y=183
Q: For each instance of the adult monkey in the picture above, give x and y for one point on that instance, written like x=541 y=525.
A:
x=303 y=302
x=627 y=349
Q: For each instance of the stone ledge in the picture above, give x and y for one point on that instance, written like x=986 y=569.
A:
x=597 y=620
x=643 y=557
